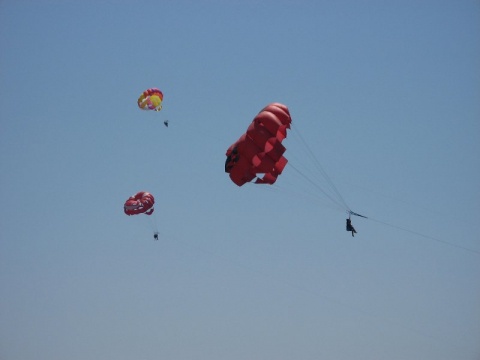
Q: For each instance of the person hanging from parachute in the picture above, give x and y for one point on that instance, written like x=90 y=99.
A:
x=258 y=155
x=349 y=226
x=152 y=99
x=140 y=203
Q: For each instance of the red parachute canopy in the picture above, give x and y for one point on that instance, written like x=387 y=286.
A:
x=260 y=149
x=140 y=203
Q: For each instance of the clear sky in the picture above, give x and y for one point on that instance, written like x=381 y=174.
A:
x=385 y=93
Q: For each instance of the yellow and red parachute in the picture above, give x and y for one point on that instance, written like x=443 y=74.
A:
x=151 y=99
x=259 y=152
x=140 y=203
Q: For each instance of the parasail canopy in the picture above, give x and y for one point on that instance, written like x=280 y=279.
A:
x=140 y=203
x=258 y=153
x=151 y=99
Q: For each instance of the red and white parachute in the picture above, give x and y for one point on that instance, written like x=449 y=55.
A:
x=140 y=203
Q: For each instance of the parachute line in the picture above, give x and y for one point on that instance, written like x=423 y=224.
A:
x=153 y=222
x=426 y=236
x=336 y=202
x=287 y=188
x=319 y=167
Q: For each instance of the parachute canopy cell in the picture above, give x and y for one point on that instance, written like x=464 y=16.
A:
x=140 y=203
x=151 y=99
x=258 y=153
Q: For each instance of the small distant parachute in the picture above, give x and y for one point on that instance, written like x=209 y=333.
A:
x=151 y=99
x=259 y=152
x=140 y=203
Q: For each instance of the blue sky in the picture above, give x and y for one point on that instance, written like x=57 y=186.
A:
x=386 y=95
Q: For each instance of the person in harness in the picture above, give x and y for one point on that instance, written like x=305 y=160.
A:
x=350 y=227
